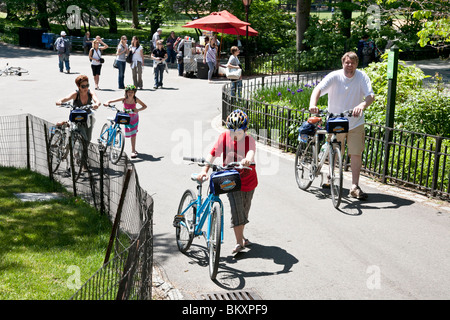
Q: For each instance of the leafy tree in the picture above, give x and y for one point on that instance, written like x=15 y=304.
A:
x=418 y=108
x=154 y=13
x=433 y=16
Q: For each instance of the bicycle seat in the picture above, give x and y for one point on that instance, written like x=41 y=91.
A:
x=194 y=178
x=314 y=120
x=60 y=124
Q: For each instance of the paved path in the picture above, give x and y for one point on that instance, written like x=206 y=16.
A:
x=430 y=67
x=393 y=246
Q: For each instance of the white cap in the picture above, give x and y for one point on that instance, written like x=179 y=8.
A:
x=63 y=33
x=159 y=29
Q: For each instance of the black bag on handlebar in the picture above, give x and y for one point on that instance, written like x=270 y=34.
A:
x=78 y=116
x=337 y=125
x=122 y=118
x=224 y=182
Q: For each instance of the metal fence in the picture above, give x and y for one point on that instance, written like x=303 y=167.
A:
x=112 y=189
x=279 y=63
x=292 y=63
x=413 y=160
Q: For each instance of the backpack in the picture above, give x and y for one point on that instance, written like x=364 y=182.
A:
x=60 y=48
x=368 y=48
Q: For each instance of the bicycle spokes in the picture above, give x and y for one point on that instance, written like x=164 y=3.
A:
x=336 y=175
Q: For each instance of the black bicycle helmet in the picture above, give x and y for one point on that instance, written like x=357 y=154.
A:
x=237 y=120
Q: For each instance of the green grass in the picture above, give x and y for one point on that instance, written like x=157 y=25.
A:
x=43 y=242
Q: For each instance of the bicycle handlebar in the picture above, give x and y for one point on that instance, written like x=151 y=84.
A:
x=232 y=165
x=325 y=112
x=111 y=106
x=70 y=105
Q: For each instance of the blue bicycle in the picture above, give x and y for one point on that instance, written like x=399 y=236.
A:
x=194 y=211
x=112 y=135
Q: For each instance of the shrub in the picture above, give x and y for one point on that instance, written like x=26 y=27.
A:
x=417 y=108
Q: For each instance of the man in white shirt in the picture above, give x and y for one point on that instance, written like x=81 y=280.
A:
x=156 y=37
x=348 y=88
x=63 y=46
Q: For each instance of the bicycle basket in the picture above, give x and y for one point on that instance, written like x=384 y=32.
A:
x=122 y=118
x=78 y=115
x=224 y=182
x=337 y=125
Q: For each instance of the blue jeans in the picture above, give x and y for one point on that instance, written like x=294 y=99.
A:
x=121 y=65
x=236 y=85
x=171 y=56
x=212 y=67
x=159 y=72
x=64 y=59
x=180 y=69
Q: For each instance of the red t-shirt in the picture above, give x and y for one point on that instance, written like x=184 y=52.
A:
x=232 y=151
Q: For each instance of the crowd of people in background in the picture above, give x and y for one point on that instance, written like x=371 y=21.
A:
x=162 y=52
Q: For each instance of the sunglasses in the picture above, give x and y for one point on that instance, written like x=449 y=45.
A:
x=84 y=86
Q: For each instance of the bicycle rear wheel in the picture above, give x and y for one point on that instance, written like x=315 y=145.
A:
x=117 y=146
x=304 y=164
x=56 y=150
x=215 y=239
x=185 y=223
x=336 y=175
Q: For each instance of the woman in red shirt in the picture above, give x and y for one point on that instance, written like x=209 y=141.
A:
x=236 y=145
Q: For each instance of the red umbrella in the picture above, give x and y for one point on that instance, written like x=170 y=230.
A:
x=223 y=22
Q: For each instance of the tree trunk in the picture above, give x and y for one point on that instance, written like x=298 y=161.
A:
x=347 y=14
x=135 y=14
x=112 y=18
x=303 y=11
x=42 y=14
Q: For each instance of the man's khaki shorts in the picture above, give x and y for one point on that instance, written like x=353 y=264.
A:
x=355 y=140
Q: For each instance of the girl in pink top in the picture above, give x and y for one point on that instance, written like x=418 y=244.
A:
x=129 y=105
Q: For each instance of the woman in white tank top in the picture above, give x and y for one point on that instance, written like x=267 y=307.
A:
x=95 y=55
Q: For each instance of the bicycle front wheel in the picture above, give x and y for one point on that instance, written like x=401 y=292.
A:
x=336 y=175
x=104 y=136
x=117 y=146
x=19 y=70
x=185 y=223
x=56 y=150
x=215 y=239
x=79 y=154
x=304 y=164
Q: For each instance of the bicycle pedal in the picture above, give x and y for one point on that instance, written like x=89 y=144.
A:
x=177 y=219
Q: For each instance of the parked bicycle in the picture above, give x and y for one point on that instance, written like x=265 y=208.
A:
x=309 y=160
x=112 y=136
x=195 y=211
x=16 y=71
x=59 y=141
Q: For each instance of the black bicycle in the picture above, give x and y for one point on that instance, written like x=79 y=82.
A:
x=62 y=133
